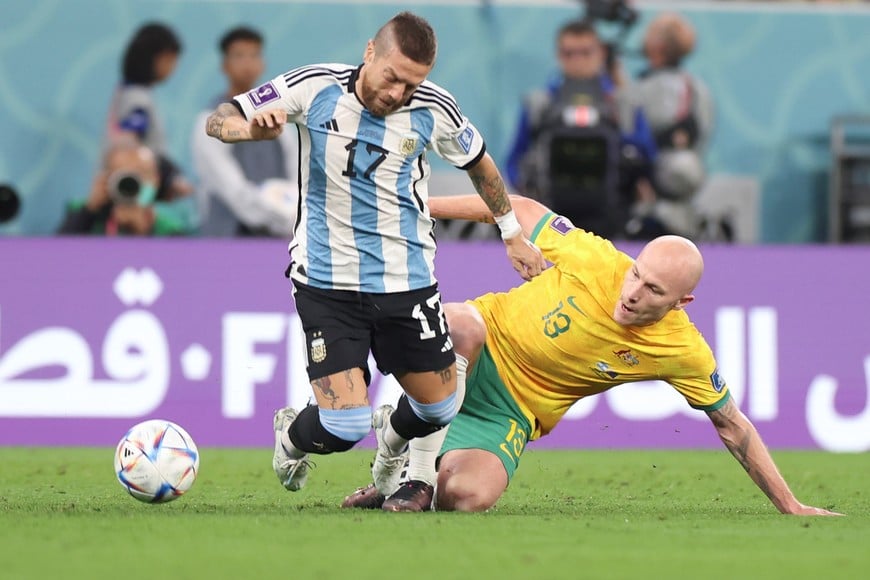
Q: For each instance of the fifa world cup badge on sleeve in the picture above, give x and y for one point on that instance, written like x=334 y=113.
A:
x=717 y=380
x=263 y=95
x=466 y=138
x=561 y=225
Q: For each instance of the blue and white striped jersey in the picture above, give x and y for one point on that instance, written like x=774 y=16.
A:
x=363 y=221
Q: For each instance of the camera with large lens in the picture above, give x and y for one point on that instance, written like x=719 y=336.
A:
x=9 y=203
x=126 y=188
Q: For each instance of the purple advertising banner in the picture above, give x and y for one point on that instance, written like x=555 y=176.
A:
x=96 y=335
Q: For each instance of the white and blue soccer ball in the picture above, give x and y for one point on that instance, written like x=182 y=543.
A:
x=156 y=461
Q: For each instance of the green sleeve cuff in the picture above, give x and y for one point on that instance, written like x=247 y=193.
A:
x=715 y=406
x=541 y=223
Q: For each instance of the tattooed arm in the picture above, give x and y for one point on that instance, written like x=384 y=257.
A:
x=229 y=125
x=525 y=257
x=490 y=186
x=745 y=444
x=472 y=208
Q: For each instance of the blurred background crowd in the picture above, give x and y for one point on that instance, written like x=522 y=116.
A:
x=732 y=122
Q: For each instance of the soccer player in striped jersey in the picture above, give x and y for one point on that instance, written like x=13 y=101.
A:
x=594 y=320
x=363 y=252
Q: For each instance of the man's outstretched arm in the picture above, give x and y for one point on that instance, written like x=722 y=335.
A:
x=743 y=441
x=472 y=208
x=229 y=125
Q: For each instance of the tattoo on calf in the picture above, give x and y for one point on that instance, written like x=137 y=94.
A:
x=446 y=375
x=324 y=385
x=348 y=380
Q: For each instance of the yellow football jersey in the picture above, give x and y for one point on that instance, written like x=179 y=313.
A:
x=554 y=339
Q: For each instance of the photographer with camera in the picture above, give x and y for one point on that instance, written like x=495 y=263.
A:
x=569 y=149
x=679 y=109
x=122 y=197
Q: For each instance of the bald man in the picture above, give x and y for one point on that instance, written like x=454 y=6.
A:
x=595 y=320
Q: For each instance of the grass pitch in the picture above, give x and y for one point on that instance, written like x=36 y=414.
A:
x=568 y=514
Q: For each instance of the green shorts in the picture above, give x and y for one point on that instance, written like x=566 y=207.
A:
x=489 y=418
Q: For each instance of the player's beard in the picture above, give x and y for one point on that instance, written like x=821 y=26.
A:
x=374 y=104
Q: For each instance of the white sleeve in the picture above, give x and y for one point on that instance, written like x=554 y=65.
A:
x=289 y=140
x=455 y=139
x=221 y=175
x=291 y=91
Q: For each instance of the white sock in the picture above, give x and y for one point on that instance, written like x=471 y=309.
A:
x=394 y=441
x=425 y=450
x=291 y=449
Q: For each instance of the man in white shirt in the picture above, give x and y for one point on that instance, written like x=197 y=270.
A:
x=245 y=189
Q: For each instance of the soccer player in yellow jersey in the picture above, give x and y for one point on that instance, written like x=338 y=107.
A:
x=594 y=320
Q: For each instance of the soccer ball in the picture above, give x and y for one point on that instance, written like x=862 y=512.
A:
x=156 y=461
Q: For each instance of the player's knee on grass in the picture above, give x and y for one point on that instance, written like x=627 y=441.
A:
x=467 y=329
x=461 y=493
x=469 y=480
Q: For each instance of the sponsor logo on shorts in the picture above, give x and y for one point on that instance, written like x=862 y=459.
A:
x=318 y=350
x=466 y=138
x=562 y=225
x=263 y=95
x=717 y=381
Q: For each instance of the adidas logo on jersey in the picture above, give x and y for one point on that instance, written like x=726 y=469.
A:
x=448 y=344
x=332 y=124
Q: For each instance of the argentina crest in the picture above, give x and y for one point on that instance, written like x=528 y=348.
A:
x=408 y=144
x=318 y=350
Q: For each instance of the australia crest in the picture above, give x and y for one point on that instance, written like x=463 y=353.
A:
x=627 y=357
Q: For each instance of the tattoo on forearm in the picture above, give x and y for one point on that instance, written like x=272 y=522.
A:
x=446 y=375
x=214 y=125
x=216 y=120
x=740 y=446
x=740 y=449
x=493 y=193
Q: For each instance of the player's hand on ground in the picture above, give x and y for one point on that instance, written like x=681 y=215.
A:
x=525 y=257
x=808 y=510
x=268 y=124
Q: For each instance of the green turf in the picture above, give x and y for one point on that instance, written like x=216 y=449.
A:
x=641 y=514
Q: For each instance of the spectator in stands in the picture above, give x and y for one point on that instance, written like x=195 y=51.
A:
x=569 y=143
x=122 y=200
x=248 y=188
x=679 y=110
x=149 y=59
